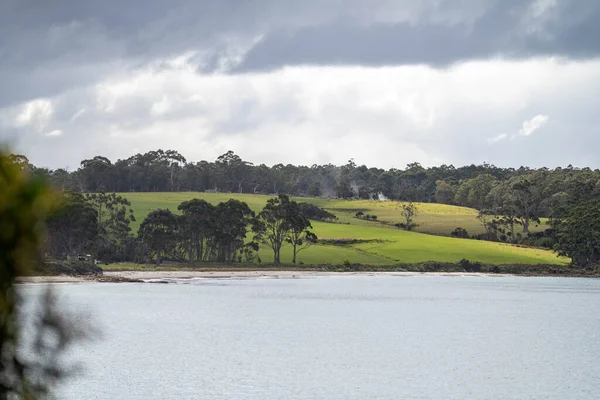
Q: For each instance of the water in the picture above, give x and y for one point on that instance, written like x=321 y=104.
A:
x=356 y=337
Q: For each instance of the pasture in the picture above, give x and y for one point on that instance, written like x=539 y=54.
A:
x=374 y=242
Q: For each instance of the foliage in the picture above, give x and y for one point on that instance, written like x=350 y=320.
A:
x=469 y=266
x=299 y=235
x=315 y=213
x=315 y=189
x=272 y=224
x=579 y=233
x=282 y=221
x=25 y=203
x=203 y=233
x=197 y=224
x=159 y=231
x=460 y=233
x=398 y=246
x=232 y=219
x=74 y=228
x=408 y=211
x=444 y=192
x=343 y=189
x=535 y=191
x=366 y=217
x=115 y=215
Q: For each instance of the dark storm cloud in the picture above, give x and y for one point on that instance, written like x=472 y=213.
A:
x=509 y=28
x=50 y=46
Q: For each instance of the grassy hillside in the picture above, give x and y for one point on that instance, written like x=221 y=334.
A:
x=374 y=242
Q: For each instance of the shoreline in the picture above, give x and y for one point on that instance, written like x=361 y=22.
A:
x=164 y=276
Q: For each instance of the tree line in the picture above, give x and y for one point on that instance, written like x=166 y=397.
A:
x=509 y=200
x=99 y=223
x=478 y=186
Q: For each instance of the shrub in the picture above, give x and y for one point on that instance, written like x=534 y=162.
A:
x=460 y=233
x=469 y=266
x=347 y=262
x=315 y=213
x=486 y=236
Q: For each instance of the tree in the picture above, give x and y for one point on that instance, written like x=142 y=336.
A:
x=229 y=230
x=73 y=229
x=526 y=201
x=343 y=189
x=159 y=232
x=409 y=211
x=474 y=192
x=299 y=235
x=315 y=189
x=486 y=217
x=504 y=224
x=196 y=227
x=174 y=159
x=444 y=192
x=97 y=174
x=111 y=208
x=579 y=233
x=272 y=224
x=114 y=218
x=233 y=170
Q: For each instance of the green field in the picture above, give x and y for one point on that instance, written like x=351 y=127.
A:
x=381 y=243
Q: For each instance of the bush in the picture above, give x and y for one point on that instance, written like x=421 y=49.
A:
x=469 y=266
x=460 y=233
x=315 y=213
x=347 y=262
x=545 y=239
x=486 y=236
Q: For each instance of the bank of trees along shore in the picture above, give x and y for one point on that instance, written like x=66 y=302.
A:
x=217 y=234
x=509 y=200
x=201 y=233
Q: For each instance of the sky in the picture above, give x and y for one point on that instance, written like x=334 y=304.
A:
x=383 y=82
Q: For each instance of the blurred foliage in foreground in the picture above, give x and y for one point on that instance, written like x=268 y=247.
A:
x=30 y=343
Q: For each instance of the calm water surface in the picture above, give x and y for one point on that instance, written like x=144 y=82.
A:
x=356 y=337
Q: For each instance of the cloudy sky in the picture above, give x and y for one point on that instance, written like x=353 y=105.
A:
x=386 y=82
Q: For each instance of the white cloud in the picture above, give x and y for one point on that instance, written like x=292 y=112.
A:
x=77 y=115
x=385 y=117
x=498 y=138
x=533 y=125
x=54 y=133
x=35 y=113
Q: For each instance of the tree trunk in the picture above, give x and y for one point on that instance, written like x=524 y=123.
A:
x=294 y=258
x=526 y=225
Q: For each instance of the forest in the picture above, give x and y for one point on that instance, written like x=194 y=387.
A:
x=509 y=200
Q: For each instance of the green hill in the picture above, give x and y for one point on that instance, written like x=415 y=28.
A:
x=370 y=242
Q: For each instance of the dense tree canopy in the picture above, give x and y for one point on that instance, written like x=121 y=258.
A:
x=534 y=192
x=579 y=233
x=509 y=200
x=282 y=221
